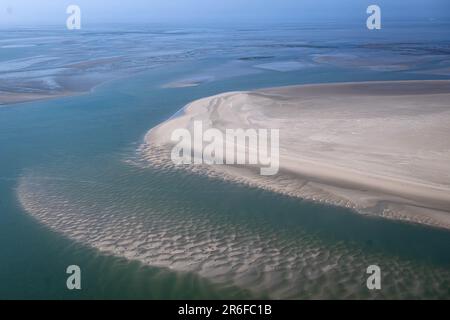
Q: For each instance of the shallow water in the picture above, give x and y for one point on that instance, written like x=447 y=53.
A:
x=74 y=190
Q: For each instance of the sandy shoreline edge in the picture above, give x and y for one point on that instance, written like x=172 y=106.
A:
x=381 y=148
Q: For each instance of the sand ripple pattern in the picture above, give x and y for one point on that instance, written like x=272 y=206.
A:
x=140 y=225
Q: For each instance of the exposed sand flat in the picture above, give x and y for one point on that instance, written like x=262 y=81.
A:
x=381 y=148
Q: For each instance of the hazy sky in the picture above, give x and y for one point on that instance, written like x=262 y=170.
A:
x=38 y=12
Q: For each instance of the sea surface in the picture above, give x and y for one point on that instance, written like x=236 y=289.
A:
x=74 y=189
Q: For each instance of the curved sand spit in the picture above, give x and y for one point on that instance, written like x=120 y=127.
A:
x=381 y=148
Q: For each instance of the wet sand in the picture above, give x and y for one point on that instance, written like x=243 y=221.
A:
x=9 y=98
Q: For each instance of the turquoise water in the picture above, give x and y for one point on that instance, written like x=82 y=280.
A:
x=74 y=191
